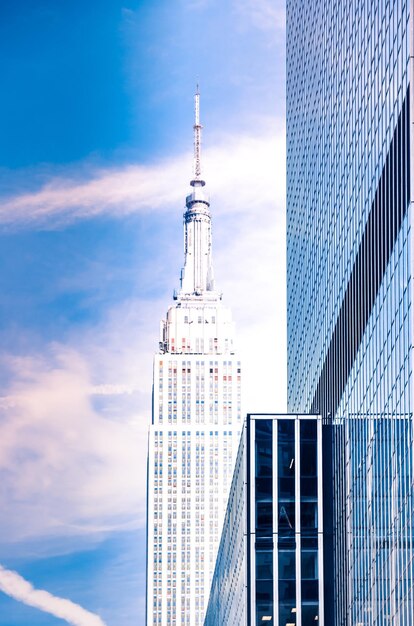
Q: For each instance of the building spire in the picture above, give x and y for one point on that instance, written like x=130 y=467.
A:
x=197 y=280
x=197 y=181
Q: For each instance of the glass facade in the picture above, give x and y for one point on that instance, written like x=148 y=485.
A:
x=269 y=567
x=349 y=269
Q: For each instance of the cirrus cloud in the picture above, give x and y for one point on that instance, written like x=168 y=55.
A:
x=241 y=164
x=74 y=419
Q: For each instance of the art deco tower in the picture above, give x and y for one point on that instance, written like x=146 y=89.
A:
x=196 y=423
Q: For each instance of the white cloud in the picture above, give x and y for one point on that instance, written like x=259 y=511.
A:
x=68 y=467
x=242 y=164
x=73 y=427
x=132 y=188
x=12 y=584
x=254 y=285
x=112 y=390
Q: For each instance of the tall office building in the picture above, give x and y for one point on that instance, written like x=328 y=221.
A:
x=350 y=282
x=195 y=429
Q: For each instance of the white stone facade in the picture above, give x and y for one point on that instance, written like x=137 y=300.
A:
x=195 y=430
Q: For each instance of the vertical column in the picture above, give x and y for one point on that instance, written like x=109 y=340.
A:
x=286 y=521
x=309 y=522
x=264 y=521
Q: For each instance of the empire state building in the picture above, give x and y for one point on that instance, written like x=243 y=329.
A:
x=196 y=424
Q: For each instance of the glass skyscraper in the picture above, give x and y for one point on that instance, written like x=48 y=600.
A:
x=350 y=287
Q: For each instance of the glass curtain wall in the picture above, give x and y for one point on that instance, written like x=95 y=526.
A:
x=286 y=546
x=349 y=273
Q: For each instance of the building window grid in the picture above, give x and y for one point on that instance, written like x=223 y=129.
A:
x=399 y=10
x=171 y=472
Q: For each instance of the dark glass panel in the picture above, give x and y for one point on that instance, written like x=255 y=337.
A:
x=264 y=610
x=308 y=515
x=287 y=591
x=308 y=488
x=263 y=458
x=285 y=430
x=309 y=542
x=308 y=463
x=309 y=564
x=263 y=488
x=264 y=592
x=310 y=614
x=264 y=564
x=286 y=516
x=309 y=590
x=264 y=541
x=263 y=479
x=286 y=488
x=264 y=516
x=264 y=429
x=286 y=459
x=285 y=614
x=287 y=540
x=287 y=565
x=308 y=429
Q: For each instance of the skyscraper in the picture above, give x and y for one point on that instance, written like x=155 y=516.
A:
x=196 y=425
x=350 y=281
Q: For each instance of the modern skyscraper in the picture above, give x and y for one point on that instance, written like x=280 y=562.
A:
x=269 y=565
x=196 y=425
x=350 y=285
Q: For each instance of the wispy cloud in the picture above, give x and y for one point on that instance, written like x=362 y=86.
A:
x=70 y=466
x=74 y=420
x=117 y=191
x=112 y=390
x=240 y=163
x=15 y=586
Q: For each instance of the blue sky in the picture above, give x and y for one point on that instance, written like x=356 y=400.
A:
x=95 y=162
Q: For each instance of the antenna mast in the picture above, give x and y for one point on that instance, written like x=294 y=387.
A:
x=197 y=139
